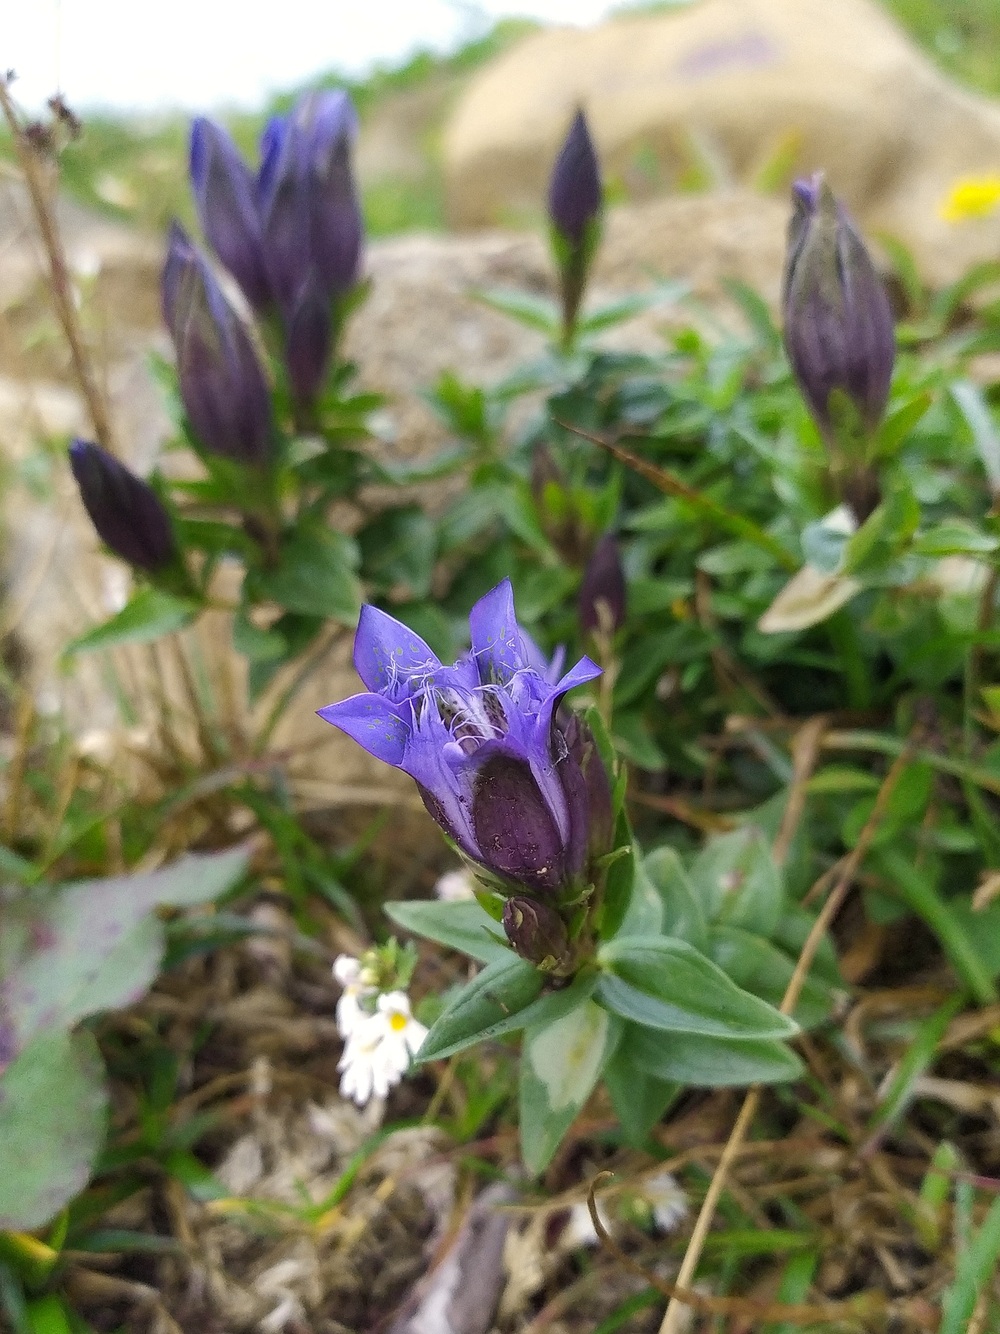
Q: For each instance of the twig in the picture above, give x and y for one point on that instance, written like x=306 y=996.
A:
x=689 y=1265
x=59 y=278
x=805 y=752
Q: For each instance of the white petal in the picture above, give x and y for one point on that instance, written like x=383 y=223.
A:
x=347 y=970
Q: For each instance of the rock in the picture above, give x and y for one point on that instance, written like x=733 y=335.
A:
x=735 y=86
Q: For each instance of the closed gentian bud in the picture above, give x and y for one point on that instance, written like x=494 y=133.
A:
x=575 y=185
x=129 y=516
x=575 y=197
x=838 y=322
x=536 y=932
x=221 y=381
x=601 y=602
x=225 y=194
x=337 y=227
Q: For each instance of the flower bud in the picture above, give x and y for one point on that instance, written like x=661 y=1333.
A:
x=312 y=228
x=225 y=195
x=221 y=381
x=129 y=516
x=536 y=932
x=309 y=206
x=575 y=184
x=838 y=322
x=574 y=211
x=601 y=602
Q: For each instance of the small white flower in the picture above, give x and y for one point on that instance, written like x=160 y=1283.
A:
x=358 y=985
x=379 y=1049
x=668 y=1200
x=455 y=886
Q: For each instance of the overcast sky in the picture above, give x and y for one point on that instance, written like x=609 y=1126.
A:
x=138 y=54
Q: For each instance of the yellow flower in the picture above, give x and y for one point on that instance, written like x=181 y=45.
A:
x=972 y=197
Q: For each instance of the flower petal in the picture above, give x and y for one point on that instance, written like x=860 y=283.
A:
x=514 y=826
x=496 y=638
x=387 y=653
x=585 y=670
x=373 y=723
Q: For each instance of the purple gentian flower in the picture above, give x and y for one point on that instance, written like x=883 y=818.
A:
x=225 y=194
x=222 y=385
x=514 y=781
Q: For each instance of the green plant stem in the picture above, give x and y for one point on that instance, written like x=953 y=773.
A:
x=844 y=638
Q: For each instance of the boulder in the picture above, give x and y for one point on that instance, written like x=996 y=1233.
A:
x=727 y=87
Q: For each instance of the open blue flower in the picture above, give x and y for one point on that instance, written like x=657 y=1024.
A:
x=514 y=783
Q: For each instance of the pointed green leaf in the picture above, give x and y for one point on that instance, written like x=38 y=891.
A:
x=683 y=914
x=736 y=881
x=688 y=1058
x=503 y=989
x=149 y=614
x=666 y=984
x=640 y=1099
x=459 y=926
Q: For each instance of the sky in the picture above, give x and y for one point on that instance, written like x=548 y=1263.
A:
x=138 y=55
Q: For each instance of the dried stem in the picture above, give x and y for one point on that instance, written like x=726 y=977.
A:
x=60 y=283
x=675 y=1310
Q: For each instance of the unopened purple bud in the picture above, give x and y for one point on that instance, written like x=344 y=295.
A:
x=311 y=216
x=337 y=227
x=129 y=516
x=838 y=322
x=575 y=185
x=601 y=603
x=225 y=195
x=514 y=827
x=536 y=932
x=221 y=381
x=587 y=788
x=308 y=343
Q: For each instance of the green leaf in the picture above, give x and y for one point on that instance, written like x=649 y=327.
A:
x=761 y=967
x=97 y=946
x=974 y=408
x=149 y=614
x=560 y=1064
x=736 y=881
x=626 y=307
x=315 y=576
x=459 y=926
x=686 y=1058
x=666 y=984
x=639 y=1098
x=975 y=1264
x=398 y=550
x=954 y=537
x=644 y=915
x=536 y=312
x=682 y=910
x=504 y=988
x=915 y=887
x=53 y=1108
